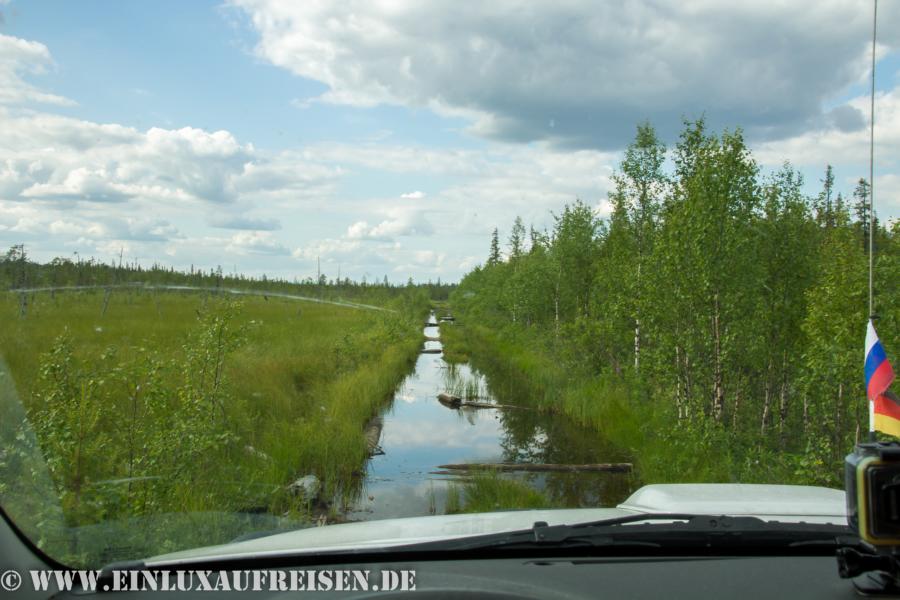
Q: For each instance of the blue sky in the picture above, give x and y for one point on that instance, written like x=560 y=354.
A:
x=177 y=64
x=389 y=138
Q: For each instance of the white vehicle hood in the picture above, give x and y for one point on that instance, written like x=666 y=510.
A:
x=785 y=503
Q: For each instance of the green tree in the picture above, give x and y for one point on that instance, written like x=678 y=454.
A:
x=494 y=255
x=637 y=200
x=517 y=240
x=787 y=250
x=708 y=254
x=861 y=211
x=574 y=249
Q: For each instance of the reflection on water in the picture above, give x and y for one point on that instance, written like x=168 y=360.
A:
x=419 y=434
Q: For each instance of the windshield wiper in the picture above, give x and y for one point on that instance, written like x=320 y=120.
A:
x=675 y=531
x=656 y=533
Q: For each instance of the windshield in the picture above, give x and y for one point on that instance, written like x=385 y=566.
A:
x=268 y=266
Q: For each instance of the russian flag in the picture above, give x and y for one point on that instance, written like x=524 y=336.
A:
x=884 y=413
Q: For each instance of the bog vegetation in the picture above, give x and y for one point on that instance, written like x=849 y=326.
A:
x=713 y=324
x=147 y=401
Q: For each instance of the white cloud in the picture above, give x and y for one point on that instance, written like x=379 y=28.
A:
x=83 y=184
x=329 y=248
x=288 y=175
x=485 y=189
x=429 y=258
x=17 y=57
x=241 y=221
x=61 y=158
x=401 y=222
x=832 y=144
x=887 y=196
x=256 y=242
x=73 y=228
x=399 y=158
x=144 y=229
x=580 y=73
x=68 y=184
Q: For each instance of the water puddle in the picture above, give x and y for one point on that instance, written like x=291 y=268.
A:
x=419 y=434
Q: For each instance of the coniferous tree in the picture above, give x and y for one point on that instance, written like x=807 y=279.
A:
x=494 y=256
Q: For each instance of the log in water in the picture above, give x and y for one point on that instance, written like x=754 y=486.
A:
x=535 y=467
x=451 y=401
x=475 y=404
x=372 y=433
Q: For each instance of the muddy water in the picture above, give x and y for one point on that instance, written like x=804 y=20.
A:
x=419 y=434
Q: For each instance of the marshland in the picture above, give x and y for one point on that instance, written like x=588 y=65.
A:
x=244 y=409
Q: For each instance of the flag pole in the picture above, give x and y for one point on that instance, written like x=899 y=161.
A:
x=872 y=202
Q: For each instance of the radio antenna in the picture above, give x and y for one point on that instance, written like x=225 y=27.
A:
x=872 y=171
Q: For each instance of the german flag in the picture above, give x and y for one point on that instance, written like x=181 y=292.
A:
x=887 y=414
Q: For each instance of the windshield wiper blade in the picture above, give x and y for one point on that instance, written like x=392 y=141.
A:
x=659 y=530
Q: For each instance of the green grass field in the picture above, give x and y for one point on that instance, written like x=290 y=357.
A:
x=173 y=402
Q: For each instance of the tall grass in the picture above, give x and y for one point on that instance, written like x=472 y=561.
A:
x=468 y=386
x=455 y=344
x=486 y=492
x=147 y=403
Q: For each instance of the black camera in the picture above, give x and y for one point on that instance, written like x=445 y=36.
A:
x=872 y=483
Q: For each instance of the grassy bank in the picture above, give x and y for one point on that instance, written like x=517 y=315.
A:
x=487 y=492
x=148 y=403
x=524 y=366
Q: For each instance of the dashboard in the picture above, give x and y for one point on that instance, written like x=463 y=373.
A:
x=813 y=577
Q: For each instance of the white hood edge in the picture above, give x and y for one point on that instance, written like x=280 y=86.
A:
x=783 y=503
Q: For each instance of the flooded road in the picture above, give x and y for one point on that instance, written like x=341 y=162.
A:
x=419 y=433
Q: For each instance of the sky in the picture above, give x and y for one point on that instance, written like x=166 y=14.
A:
x=390 y=137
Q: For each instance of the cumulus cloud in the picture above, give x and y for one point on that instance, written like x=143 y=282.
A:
x=76 y=228
x=287 y=175
x=17 y=58
x=62 y=158
x=486 y=189
x=579 y=73
x=256 y=242
x=82 y=184
x=402 y=222
x=142 y=229
x=225 y=221
x=887 y=196
x=417 y=195
x=429 y=257
x=330 y=248
x=52 y=157
x=835 y=143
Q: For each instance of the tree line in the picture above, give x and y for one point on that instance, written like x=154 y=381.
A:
x=726 y=298
x=18 y=271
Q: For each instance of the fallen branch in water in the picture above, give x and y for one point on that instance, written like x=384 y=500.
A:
x=534 y=467
x=451 y=401
x=372 y=434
